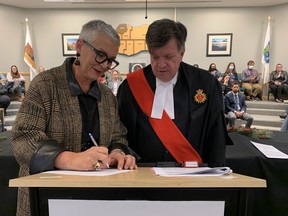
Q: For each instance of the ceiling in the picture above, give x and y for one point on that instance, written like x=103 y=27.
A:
x=70 y=4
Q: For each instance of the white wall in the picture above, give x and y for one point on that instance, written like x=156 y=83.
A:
x=248 y=26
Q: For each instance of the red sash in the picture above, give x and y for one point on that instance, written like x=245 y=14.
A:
x=166 y=130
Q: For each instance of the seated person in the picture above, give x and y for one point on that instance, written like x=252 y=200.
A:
x=235 y=107
x=41 y=69
x=216 y=73
x=232 y=73
x=278 y=82
x=226 y=85
x=18 y=80
x=250 y=81
x=4 y=98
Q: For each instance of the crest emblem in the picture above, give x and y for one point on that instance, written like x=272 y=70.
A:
x=200 y=97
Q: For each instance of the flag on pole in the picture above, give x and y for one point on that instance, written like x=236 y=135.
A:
x=28 y=53
x=266 y=55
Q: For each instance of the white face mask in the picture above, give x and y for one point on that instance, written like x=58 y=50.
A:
x=250 y=67
x=231 y=67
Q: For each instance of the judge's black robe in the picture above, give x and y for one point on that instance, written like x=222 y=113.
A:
x=202 y=124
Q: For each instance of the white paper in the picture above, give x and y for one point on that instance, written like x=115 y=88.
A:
x=104 y=172
x=270 y=151
x=199 y=171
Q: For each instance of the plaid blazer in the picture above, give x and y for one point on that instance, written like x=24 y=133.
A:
x=50 y=112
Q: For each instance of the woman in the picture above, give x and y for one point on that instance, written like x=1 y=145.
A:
x=18 y=80
x=67 y=104
x=231 y=71
x=41 y=69
x=278 y=82
x=215 y=72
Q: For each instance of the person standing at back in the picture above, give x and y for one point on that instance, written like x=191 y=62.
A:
x=172 y=110
x=115 y=83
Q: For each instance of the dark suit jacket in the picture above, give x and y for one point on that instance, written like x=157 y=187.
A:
x=230 y=102
x=202 y=124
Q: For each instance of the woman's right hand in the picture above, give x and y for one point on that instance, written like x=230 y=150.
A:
x=92 y=158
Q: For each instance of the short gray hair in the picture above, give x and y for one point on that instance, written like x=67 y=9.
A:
x=91 y=29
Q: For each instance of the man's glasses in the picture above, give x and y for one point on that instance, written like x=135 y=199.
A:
x=101 y=57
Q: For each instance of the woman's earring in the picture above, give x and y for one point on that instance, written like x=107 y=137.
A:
x=77 y=62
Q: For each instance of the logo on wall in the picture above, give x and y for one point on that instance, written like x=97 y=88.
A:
x=132 y=39
x=136 y=66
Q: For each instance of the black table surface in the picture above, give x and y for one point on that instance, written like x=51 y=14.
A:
x=242 y=157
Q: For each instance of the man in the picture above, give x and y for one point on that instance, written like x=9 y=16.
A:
x=250 y=81
x=52 y=128
x=235 y=107
x=115 y=83
x=173 y=111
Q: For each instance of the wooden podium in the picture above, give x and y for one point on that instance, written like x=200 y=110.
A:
x=138 y=185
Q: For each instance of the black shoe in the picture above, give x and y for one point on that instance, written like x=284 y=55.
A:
x=283 y=116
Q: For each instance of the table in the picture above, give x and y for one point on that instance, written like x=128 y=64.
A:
x=245 y=159
x=242 y=157
x=140 y=184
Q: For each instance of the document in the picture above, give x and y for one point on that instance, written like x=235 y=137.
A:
x=270 y=151
x=199 y=171
x=104 y=172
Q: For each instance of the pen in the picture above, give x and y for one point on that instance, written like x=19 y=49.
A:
x=95 y=143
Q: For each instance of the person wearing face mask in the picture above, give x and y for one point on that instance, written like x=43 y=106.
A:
x=172 y=110
x=232 y=73
x=216 y=73
x=250 y=81
x=52 y=128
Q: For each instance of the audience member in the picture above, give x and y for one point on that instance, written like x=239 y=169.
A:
x=51 y=130
x=108 y=76
x=250 y=81
x=4 y=98
x=215 y=72
x=278 y=83
x=226 y=85
x=235 y=107
x=41 y=69
x=18 y=80
x=173 y=111
x=231 y=72
x=115 y=83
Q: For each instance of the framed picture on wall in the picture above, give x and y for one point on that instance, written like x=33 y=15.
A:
x=219 y=44
x=69 y=44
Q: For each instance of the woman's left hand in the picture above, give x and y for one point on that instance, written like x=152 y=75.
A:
x=122 y=161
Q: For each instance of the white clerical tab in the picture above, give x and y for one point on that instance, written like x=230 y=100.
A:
x=164 y=99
